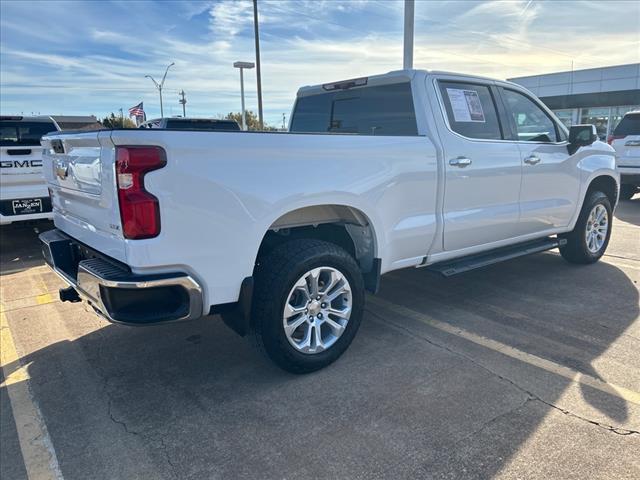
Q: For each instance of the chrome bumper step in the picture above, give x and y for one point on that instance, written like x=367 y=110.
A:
x=114 y=291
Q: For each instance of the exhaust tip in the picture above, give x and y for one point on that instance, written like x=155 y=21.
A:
x=69 y=294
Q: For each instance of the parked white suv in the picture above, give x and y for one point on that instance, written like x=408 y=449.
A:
x=23 y=190
x=282 y=233
x=625 y=140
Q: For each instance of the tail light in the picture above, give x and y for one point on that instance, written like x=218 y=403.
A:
x=139 y=210
x=611 y=138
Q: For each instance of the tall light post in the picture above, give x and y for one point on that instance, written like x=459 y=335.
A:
x=407 y=62
x=160 y=85
x=258 y=71
x=242 y=66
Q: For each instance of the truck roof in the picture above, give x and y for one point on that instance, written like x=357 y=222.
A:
x=23 y=118
x=395 y=76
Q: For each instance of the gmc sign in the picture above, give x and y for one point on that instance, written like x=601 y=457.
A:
x=20 y=163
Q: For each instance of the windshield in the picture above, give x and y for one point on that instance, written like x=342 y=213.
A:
x=14 y=133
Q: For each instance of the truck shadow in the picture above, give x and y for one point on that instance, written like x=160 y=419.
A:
x=404 y=401
x=629 y=211
x=19 y=248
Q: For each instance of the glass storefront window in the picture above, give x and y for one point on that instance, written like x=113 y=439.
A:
x=598 y=117
x=566 y=116
x=606 y=119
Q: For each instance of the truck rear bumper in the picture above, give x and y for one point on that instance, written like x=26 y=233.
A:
x=9 y=219
x=114 y=292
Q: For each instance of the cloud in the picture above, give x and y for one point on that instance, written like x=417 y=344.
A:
x=230 y=17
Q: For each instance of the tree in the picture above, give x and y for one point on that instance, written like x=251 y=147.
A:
x=252 y=120
x=115 y=121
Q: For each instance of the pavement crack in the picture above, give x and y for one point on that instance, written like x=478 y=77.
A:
x=531 y=396
x=604 y=426
x=119 y=422
x=150 y=437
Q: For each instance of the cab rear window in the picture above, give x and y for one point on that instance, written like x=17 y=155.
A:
x=208 y=125
x=376 y=110
x=629 y=125
x=13 y=134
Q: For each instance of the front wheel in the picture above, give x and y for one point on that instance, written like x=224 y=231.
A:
x=587 y=242
x=308 y=303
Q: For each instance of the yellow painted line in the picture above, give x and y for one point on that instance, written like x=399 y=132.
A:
x=17 y=376
x=542 y=363
x=26 y=302
x=37 y=450
x=44 y=299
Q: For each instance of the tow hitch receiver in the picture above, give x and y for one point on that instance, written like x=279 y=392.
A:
x=69 y=294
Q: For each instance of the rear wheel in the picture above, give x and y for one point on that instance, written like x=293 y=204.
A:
x=590 y=237
x=308 y=303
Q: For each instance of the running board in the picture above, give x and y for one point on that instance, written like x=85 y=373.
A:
x=448 y=268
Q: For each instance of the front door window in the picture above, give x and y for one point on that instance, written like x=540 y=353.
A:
x=532 y=124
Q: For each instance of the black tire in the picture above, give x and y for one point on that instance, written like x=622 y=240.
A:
x=275 y=276
x=576 y=250
x=627 y=191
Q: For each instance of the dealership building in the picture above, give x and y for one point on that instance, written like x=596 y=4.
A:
x=600 y=96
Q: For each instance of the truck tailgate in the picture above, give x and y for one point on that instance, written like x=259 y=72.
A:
x=79 y=169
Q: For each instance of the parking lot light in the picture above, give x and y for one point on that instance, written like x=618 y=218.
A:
x=160 y=85
x=242 y=66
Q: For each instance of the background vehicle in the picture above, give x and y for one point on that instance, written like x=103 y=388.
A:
x=179 y=123
x=625 y=140
x=282 y=233
x=23 y=191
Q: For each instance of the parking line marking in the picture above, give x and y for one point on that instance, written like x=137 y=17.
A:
x=40 y=460
x=44 y=299
x=542 y=363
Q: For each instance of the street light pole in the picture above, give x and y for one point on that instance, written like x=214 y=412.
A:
x=183 y=101
x=244 y=115
x=242 y=66
x=258 y=75
x=160 y=85
x=408 y=34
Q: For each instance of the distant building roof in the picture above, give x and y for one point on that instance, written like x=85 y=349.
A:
x=591 y=80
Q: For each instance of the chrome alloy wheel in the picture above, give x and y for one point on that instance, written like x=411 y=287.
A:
x=317 y=310
x=597 y=228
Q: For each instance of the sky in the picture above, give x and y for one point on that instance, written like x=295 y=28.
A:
x=91 y=57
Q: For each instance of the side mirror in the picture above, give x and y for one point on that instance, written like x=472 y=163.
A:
x=581 y=136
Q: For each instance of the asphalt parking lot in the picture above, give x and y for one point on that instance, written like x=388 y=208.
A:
x=527 y=369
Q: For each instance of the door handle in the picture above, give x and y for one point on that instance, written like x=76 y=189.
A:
x=460 y=162
x=532 y=160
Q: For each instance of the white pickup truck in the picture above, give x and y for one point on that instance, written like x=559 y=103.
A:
x=23 y=190
x=282 y=233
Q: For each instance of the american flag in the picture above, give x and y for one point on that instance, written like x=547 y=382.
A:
x=137 y=111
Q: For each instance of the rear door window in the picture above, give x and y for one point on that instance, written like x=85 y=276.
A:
x=16 y=133
x=375 y=110
x=471 y=110
x=629 y=125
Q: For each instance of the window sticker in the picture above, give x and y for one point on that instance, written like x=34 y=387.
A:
x=466 y=105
